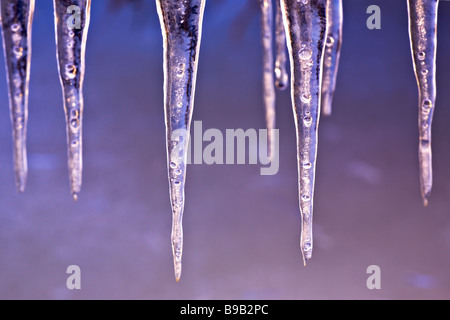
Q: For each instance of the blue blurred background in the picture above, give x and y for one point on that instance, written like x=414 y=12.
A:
x=241 y=229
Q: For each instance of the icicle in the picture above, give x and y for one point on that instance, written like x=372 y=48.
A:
x=181 y=24
x=281 y=73
x=268 y=80
x=72 y=24
x=16 y=19
x=305 y=25
x=422 y=31
x=332 y=53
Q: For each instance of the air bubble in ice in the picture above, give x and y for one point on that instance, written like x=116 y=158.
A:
x=305 y=54
x=71 y=71
x=15 y=27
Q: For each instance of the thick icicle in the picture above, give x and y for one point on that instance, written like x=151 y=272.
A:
x=71 y=27
x=268 y=78
x=332 y=53
x=181 y=24
x=16 y=18
x=305 y=24
x=422 y=31
x=281 y=72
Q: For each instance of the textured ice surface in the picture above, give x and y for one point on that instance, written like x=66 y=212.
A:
x=72 y=24
x=16 y=20
x=422 y=16
x=305 y=24
x=332 y=54
x=181 y=24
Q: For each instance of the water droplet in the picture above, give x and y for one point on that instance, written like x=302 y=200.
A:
x=173 y=165
x=177 y=183
x=177 y=171
x=424 y=71
x=421 y=55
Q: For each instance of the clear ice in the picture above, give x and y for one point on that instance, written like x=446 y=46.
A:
x=181 y=25
x=281 y=72
x=305 y=24
x=422 y=16
x=332 y=54
x=71 y=27
x=268 y=71
x=16 y=20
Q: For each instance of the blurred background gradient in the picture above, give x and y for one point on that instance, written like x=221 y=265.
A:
x=241 y=229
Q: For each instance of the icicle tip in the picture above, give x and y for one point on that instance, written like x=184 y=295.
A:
x=304 y=259
x=20 y=186
x=75 y=197
x=178 y=276
x=425 y=199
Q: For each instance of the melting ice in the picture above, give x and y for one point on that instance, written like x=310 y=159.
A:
x=72 y=24
x=16 y=20
x=181 y=25
x=422 y=16
x=305 y=24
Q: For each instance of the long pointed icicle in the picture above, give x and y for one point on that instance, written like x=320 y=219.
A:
x=332 y=54
x=422 y=31
x=71 y=26
x=305 y=24
x=268 y=76
x=17 y=17
x=181 y=24
x=281 y=72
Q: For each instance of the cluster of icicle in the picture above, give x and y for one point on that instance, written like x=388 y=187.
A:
x=71 y=26
x=310 y=29
x=312 y=32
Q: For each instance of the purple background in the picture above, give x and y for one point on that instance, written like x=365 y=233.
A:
x=241 y=229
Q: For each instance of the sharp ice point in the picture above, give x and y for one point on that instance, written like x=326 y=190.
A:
x=305 y=24
x=422 y=22
x=71 y=48
x=16 y=22
x=181 y=51
x=425 y=198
